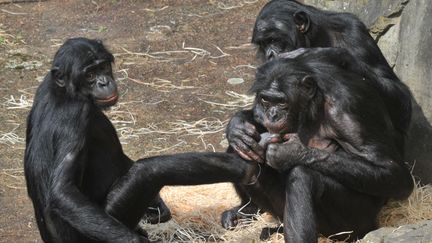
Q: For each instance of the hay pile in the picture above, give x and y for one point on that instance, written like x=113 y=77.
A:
x=196 y=215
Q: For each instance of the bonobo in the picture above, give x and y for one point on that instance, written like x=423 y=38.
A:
x=286 y=25
x=73 y=156
x=338 y=162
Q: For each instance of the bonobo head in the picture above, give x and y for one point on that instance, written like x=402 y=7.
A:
x=282 y=96
x=281 y=26
x=290 y=91
x=82 y=70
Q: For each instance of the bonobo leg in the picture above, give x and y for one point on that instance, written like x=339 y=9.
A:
x=317 y=203
x=266 y=195
x=246 y=210
x=157 y=212
x=147 y=176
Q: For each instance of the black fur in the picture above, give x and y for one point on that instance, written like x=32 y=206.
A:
x=340 y=161
x=73 y=155
x=83 y=187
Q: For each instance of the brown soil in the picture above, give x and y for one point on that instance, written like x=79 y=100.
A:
x=173 y=61
x=34 y=31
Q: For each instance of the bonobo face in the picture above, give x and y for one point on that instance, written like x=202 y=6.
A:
x=283 y=95
x=99 y=78
x=273 y=111
x=82 y=70
x=280 y=27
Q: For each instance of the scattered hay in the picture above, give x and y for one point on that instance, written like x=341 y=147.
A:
x=197 y=209
x=156 y=9
x=7 y=39
x=186 y=53
x=224 y=6
x=247 y=46
x=23 y=102
x=240 y=101
x=416 y=208
x=11 y=138
x=13 y=178
x=177 y=129
x=165 y=86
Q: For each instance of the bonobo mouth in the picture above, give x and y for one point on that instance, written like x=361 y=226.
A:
x=280 y=127
x=111 y=100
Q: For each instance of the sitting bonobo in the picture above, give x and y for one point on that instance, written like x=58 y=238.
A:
x=74 y=163
x=338 y=161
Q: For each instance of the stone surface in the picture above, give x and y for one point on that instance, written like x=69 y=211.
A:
x=414 y=67
x=368 y=11
x=414 y=233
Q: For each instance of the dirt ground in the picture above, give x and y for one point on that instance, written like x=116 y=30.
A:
x=183 y=67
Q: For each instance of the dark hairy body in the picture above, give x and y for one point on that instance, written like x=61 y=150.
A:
x=286 y=25
x=73 y=157
x=333 y=159
x=281 y=29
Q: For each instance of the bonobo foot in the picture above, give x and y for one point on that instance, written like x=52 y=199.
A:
x=157 y=212
x=230 y=218
x=267 y=232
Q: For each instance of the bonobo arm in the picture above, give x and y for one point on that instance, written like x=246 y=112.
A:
x=243 y=134
x=67 y=202
x=135 y=190
x=370 y=171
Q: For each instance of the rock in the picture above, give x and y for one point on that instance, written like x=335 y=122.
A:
x=367 y=11
x=235 y=81
x=413 y=66
x=416 y=233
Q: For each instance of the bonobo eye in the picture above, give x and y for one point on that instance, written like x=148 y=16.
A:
x=264 y=101
x=90 y=76
x=282 y=105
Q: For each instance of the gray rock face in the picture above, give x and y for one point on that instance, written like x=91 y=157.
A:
x=413 y=233
x=403 y=30
x=368 y=11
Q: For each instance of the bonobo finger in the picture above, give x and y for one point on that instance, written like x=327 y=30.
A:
x=249 y=141
x=290 y=136
x=239 y=150
x=267 y=138
x=255 y=156
x=245 y=151
x=243 y=155
x=251 y=131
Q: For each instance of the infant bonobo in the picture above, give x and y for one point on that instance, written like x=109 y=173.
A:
x=330 y=144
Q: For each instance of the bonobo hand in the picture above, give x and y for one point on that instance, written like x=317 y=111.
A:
x=293 y=152
x=284 y=156
x=243 y=138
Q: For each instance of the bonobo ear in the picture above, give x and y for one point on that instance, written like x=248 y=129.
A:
x=302 y=21
x=56 y=74
x=309 y=86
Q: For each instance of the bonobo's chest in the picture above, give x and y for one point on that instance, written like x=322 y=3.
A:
x=105 y=161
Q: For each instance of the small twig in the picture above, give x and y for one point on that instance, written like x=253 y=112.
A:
x=20 y=1
x=13 y=13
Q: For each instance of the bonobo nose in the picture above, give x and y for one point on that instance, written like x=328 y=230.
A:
x=273 y=115
x=102 y=81
x=271 y=54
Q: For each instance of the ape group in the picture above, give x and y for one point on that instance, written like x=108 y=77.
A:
x=321 y=150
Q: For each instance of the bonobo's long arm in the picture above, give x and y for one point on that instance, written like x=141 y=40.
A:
x=243 y=134
x=128 y=199
x=67 y=202
x=370 y=171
